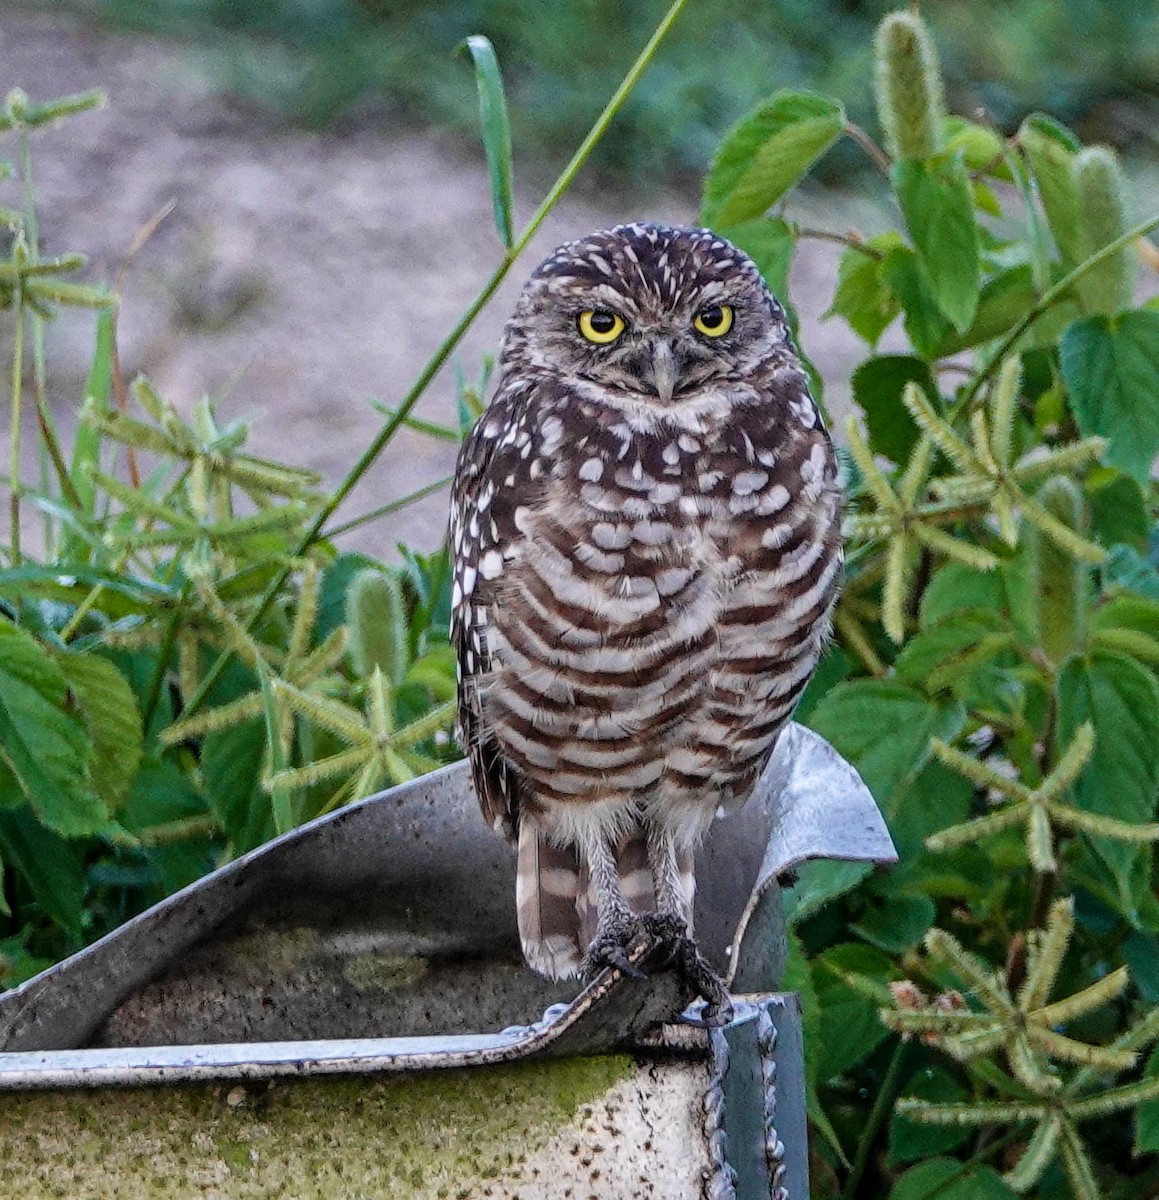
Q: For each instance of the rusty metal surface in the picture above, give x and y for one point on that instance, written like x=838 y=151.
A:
x=395 y=917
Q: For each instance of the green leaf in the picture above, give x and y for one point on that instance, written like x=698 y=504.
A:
x=231 y=768
x=849 y=1027
x=769 y=242
x=1127 y=568
x=767 y=153
x=981 y=148
x=1119 y=511
x=910 y=1140
x=798 y=978
x=1111 y=369
x=935 y=647
x=496 y=129
x=934 y=799
x=884 y=728
x=1003 y=300
x=1121 y=700
x=163 y=795
x=48 y=865
x=112 y=718
x=1050 y=149
x=1141 y=956
x=956 y=587
x=818 y=882
x=1147 y=1115
x=878 y=385
x=47 y=750
x=87 y=445
x=863 y=296
x=925 y=326
x=895 y=923
x=948 y=1179
x=939 y=213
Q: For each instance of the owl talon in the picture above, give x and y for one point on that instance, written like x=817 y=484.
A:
x=611 y=951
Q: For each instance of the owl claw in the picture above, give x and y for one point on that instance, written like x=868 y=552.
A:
x=672 y=948
x=610 y=949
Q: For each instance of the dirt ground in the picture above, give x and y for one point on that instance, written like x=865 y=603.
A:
x=300 y=274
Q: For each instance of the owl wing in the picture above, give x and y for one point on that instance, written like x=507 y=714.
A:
x=491 y=469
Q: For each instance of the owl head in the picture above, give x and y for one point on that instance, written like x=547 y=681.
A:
x=648 y=313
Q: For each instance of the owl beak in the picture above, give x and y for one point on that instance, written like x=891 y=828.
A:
x=664 y=371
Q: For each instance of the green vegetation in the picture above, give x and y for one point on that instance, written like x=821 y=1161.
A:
x=320 y=60
x=189 y=665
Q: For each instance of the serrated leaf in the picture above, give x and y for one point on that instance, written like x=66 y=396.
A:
x=496 y=130
x=112 y=718
x=1111 y=369
x=884 y=729
x=878 y=384
x=1121 y=700
x=935 y=199
x=47 y=750
x=768 y=152
x=863 y=295
x=769 y=242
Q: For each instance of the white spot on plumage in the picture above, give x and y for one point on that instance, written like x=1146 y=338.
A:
x=592 y=470
x=491 y=564
x=744 y=483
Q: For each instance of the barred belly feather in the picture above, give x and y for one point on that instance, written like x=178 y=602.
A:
x=641 y=593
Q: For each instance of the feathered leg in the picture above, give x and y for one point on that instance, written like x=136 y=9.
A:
x=671 y=923
x=616 y=925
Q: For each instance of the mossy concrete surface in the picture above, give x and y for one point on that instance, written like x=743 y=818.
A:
x=581 y=1128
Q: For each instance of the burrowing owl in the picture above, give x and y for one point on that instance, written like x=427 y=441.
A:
x=646 y=535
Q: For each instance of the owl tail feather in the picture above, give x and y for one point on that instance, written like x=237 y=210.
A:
x=556 y=902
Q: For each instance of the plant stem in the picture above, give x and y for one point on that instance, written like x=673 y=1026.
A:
x=384 y=509
x=886 y=1095
x=1045 y=302
x=440 y=356
x=878 y=156
x=842 y=239
x=14 y=439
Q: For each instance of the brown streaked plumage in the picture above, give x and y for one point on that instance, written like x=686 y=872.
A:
x=646 y=535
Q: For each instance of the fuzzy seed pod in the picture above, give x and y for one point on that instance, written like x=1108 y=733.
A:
x=1109 y=287
x=1061 y=581
x=376 y=616
x=911 y=104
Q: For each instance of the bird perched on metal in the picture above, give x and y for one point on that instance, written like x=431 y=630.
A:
x=646 y=533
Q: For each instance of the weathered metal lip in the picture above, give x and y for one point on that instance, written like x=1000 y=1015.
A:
x=612 y=1012
x=430 y=874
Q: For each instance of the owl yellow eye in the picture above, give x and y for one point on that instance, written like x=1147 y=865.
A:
x=600 y=326
x=714 y=321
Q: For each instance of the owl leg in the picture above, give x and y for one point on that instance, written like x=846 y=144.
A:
x=671 y=924
x=616 y=924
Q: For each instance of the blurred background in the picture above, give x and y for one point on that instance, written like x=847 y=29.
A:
x=331 y=214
